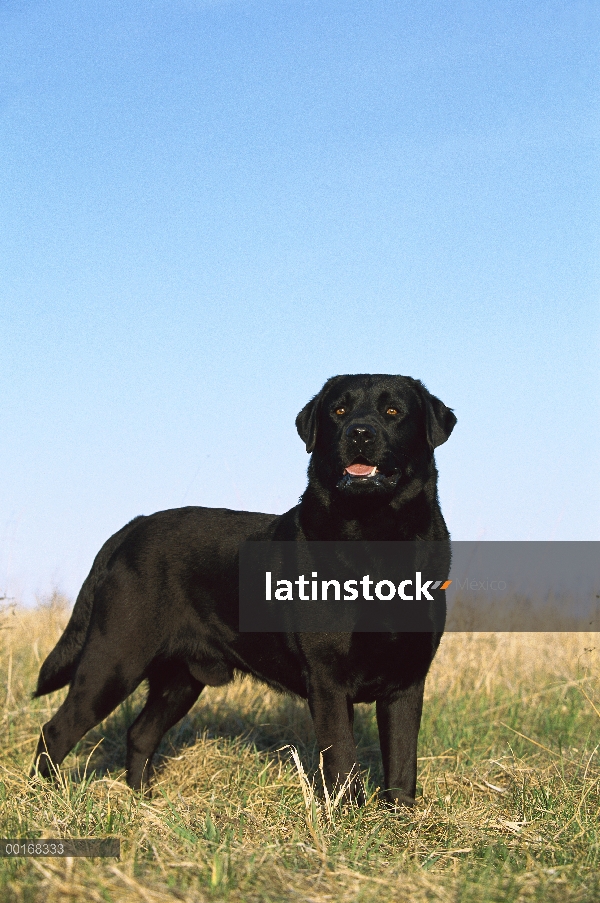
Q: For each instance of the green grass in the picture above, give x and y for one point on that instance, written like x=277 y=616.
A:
x=509 y=781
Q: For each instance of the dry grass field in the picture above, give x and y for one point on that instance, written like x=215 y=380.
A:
x=509 y=783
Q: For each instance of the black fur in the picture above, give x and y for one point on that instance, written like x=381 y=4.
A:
x=161 y=600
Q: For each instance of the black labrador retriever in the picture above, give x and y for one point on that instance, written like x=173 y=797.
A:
x=161 y=600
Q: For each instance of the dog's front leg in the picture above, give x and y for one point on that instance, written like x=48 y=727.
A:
x=333 y=714
x=398 y=721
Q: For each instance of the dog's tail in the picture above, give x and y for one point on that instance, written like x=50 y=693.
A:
x=59 y=667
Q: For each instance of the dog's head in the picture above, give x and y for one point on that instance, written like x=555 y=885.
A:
x=372 y=433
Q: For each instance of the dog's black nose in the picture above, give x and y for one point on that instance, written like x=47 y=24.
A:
x=360 y=431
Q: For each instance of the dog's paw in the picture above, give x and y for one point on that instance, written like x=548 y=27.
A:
x=397 y=801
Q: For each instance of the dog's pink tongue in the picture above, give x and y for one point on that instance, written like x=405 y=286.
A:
x=359 y=470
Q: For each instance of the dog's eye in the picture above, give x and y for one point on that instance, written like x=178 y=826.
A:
x=392 y=412
x=340 y=411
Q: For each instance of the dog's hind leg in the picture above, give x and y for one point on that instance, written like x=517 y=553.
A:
x=103 y=679
x=172 y=693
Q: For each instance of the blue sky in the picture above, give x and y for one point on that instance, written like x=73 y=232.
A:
x=208 y=208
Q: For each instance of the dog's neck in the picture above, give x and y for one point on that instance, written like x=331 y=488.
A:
x=412 y=512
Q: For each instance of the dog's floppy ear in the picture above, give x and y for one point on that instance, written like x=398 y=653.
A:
x=439 y=419
x=306 y=423
x=307 y=419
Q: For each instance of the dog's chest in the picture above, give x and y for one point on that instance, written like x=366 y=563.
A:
x=369 y=665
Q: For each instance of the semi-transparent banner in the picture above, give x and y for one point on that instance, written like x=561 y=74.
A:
x=419 y=586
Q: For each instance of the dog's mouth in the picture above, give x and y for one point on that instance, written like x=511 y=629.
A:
x=362 y=473
x=362 y=468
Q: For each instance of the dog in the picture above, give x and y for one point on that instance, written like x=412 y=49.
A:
x=161 y=600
